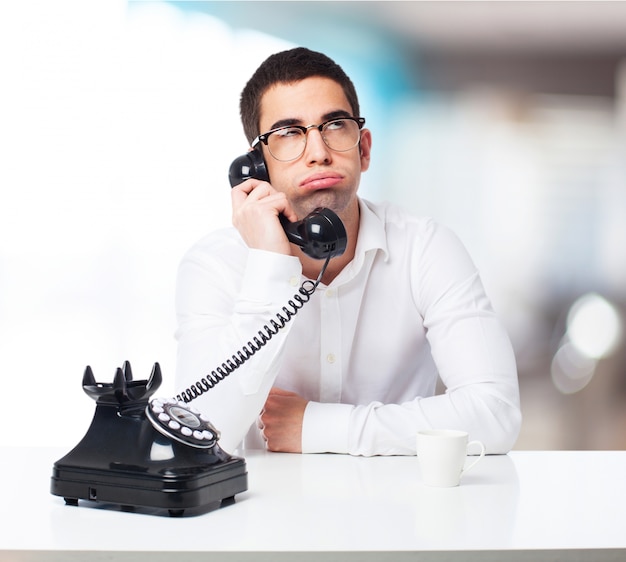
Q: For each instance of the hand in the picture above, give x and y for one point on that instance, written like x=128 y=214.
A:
x=281 y=421
x=256 y=206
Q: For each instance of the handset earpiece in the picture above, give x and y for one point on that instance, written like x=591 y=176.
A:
x=320 y=234
x=248 y=165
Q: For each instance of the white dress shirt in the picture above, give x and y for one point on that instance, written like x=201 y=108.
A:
x=366 y=350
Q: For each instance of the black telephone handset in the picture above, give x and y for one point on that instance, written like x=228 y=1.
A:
x=162 y=454
x=320 y=234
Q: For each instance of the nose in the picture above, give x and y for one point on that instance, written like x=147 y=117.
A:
x=316 y=150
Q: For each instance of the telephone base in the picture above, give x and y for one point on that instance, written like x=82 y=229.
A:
x=203 y=489
x=123 y=460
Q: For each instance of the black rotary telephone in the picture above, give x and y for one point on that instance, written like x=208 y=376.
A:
x=163 y=455
x=149 y=454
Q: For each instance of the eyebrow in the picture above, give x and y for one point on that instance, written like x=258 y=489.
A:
x=338 y=114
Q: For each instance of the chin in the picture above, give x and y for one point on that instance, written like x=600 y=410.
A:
x=337 y=202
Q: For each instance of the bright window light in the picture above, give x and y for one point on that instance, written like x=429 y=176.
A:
x=594 y=326
x=119 y=123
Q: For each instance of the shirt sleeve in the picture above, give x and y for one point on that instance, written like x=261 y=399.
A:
x=474 y=359
x=225 y=296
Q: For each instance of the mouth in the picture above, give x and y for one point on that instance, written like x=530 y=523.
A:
x=322 y=180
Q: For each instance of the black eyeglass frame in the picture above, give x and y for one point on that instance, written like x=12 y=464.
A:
x=360 y=121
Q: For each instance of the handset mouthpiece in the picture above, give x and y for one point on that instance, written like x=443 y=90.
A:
x=320 y=234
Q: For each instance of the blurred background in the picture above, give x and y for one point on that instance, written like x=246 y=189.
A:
x=118 y=121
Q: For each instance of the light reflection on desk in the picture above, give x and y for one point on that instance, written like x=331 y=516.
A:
x=482 y=507
x=385 y=495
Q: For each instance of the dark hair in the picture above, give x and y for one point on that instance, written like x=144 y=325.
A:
x=288 y=67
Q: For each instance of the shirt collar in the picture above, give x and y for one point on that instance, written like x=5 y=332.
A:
x=372 y=234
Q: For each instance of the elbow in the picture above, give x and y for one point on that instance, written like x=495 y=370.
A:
x=506 y=437
x=500 y=427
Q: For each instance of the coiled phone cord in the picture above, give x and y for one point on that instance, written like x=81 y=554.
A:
x=206 y=383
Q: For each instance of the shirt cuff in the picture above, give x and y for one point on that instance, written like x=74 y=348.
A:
x=325 y=428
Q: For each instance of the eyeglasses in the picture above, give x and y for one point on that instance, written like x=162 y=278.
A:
x=288 y=143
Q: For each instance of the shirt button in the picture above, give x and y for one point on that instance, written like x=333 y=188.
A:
x=294 y=281
x=330 y=293
x=330 y=358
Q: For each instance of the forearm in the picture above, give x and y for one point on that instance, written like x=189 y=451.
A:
x=477 y=366
x=489 y=413
x=217 y=320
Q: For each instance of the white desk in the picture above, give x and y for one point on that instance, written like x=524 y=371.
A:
x=523 y=506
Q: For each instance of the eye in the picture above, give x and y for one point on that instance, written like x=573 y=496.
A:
x=287 y=133
x=335 y=125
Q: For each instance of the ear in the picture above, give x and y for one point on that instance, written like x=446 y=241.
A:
x=365 y=148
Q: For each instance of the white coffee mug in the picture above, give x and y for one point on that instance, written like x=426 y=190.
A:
x=442 y=454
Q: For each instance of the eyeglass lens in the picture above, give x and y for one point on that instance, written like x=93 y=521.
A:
x=288 y=143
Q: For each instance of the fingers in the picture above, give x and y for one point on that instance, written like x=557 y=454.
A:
x=280 y=421
x=253 y=191
x=242 y=191
x=254 y=198
x=261 y=426
x=256 y=206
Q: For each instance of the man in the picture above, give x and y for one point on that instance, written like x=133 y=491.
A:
x=355 y=370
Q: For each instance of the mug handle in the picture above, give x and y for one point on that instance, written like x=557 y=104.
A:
x=482 y=454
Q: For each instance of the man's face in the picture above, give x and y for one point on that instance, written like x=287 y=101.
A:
x=320 y=177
